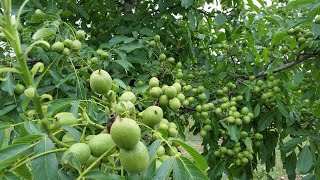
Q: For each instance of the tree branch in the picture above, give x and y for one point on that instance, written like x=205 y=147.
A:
x=288 y=65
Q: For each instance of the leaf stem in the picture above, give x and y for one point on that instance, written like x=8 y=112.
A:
x=36 y=156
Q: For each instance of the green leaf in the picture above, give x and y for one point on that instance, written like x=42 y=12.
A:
x=32 y=128
x=140 y=89
x=192 y=21
x=183 y=168
x=315 y=29
x=297 y=78
x=198 y=158
x=71 y=159
x=290 y=119
x=265 y=121
x=304 y=162
x=57 y=105
x=279 y=36
x=291 y=144
x=299 y=3
x=290 y=165
x=121 y=54
x=248 y=142
x=234 y=133
x=120 y=83
x=44 y=33
x=28 y=139
x=74 y=133
x=24 y=171
x=220 y=19
x=186 y=3
x=102 y=175
x=282 y=109
x=131 y=46
x=9 y=84
x=164 y=170
x=7 y=109
x=256 y=110
x=9 y=154
x=125 y=64
x=46 y=166
x=309 y=177
x=152 y=149
x=80 y=10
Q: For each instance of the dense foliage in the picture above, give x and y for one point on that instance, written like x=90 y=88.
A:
x=107 y=89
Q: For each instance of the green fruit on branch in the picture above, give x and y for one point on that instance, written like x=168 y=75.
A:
x=158 y=164
x=172 y=151
x=162 y=126
x=258 y=136
x=172 y=125
x=64 y=119
x=67 y=43
x=171 y=92
x=57 y=46
x=177 y=86
x=203 y=133
x=200 y=89
x=163 y=100
x=66 y=51
x=94 y=60
x=155 y=92
x=81 y=35
x=246 y=119
x=164 y=157
x=38 y=11
x=135 y=160
x=171 y=60
x=202 y=96
x=161 y=151
x=68 y=139
x=172 y=132
x=100 y=143
x=162 y=57
x=81 y=151
x=245 y=111
x=100 y=81
x=19 y=89
x=154 y=82
x=125 y=108
x=317 y=20
x=174 y=104
x=152 y=115
x=76 y=45
x=251 y=78
x=125 y=133
x=30 y=92
x=156 y=38
x=181 y=97
x=152 y=43
x=128 y=96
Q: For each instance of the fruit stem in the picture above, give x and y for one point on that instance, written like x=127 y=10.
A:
x=87 y=119
x=51 y=136
x=36 y=156
x=95 y=162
